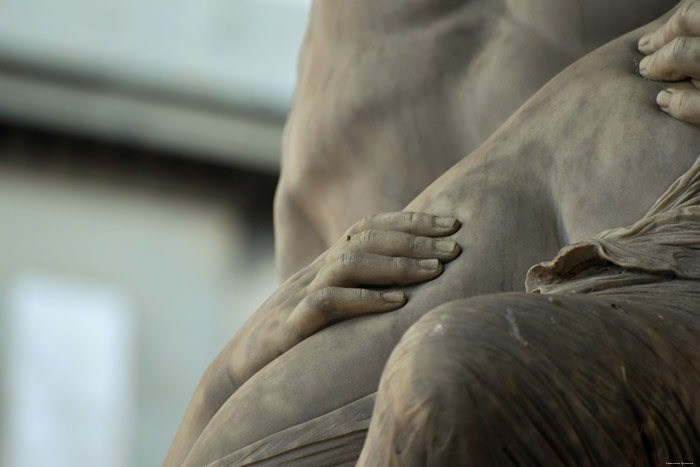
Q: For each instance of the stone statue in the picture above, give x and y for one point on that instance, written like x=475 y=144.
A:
x=392 y=95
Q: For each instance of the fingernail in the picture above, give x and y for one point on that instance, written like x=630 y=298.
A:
x=664 y=98
x=393 y=297
x=446 y=222
x=445 y=246
x=643 y=65
x=431 y=264
x=644 y=42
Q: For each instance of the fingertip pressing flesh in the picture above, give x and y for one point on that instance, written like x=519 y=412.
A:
x=429 y=264
x=415 y=223
x=684 y=22
x=663 y=98
x=675 y=61
x=320 y=309
x=644 y=44
x=449 y=248
x=394 y=297
x=363 y=269
x=682 y=104
x=449 y=223
x=392 y=243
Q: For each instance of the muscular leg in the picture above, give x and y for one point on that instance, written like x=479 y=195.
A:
x=335 y=368
x=590 y=151
x=541 y=380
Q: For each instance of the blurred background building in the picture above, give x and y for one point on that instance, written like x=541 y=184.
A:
x=139 y=149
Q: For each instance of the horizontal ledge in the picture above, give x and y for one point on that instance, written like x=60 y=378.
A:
x=159 y=119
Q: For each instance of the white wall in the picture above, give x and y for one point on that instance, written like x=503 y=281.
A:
x=113 y=299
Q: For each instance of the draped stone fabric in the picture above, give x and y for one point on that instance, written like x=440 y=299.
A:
x=332 y=439
x=662 y=246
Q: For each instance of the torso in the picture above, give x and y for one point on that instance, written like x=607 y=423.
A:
x=392 y=93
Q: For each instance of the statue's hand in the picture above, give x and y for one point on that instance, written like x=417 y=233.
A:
x=398 y=248
x=673 y=54
x=389 y=249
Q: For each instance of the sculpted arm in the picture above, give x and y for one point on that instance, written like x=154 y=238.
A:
x=393 y=249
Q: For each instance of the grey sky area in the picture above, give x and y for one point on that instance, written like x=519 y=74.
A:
x=242 y=51
x=189 y=76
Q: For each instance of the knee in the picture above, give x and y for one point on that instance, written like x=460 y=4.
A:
x=470 y=333
x=453 y=388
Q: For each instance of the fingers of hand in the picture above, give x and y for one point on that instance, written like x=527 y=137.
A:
x=416 y=223
x=392 y=243
x=677 y=60
x=351 y=269
x=331 y=304
x=683 y=104
x=684 y=22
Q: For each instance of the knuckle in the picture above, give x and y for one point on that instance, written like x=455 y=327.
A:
x=324 y=299
x=679 y=46
x=683 y=17
x=408 y=218
x=349 y=258
x=412 y=242
x=400 y=265
x=360 y=294
x=361 y=225
x=322 y=277
x=681 y=104
x=310 y=302
x=337 y=257
x=366 y=237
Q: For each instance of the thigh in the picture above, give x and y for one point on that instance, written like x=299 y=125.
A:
x=542 y=380
x=503 y=233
